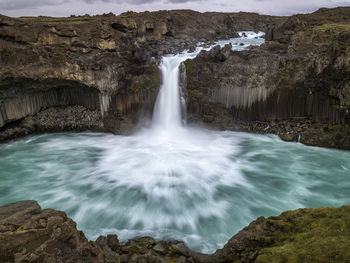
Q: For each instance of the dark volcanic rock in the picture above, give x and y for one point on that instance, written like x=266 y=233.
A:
x=103 y=63
x=105 y=67
x=29 y=234
x=301 y=76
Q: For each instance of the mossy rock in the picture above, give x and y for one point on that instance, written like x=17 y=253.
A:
x=195 y=93
x=65 y=20
x=310 y=235
x=326 y=34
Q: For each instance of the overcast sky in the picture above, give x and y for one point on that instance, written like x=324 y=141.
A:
x=80 y=7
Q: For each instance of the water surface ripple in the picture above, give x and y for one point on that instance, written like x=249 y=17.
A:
x=194 y=185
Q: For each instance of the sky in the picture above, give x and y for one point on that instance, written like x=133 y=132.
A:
x=80 y=7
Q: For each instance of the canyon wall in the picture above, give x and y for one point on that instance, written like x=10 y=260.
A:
x=296 y=84
x=100 y=73
x=96 y=73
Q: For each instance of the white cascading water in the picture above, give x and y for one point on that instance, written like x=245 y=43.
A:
x=167 y=110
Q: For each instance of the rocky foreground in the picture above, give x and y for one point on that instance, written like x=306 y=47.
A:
x=30 y=234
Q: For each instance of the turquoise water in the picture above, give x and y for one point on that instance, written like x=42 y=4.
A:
x=198 y=186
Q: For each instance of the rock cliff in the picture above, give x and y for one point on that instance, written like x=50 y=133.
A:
x=96 y=73
x=100 y=73
x=30 y=234
x=296 y=84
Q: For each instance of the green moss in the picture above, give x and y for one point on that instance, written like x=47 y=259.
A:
x=339 y=107
x=334 y=126
x=19 y=229
x=338 y=126
x=135 y=86
x=155 y=77
x=195 y=93
x=188 y=67
x=326 y=34
x=310 y=235
x=333 y=28
x=68 y=20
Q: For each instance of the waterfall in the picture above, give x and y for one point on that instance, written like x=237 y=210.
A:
x=168 y=106
x=167 y=110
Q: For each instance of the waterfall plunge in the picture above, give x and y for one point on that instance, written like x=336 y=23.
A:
x=167 y=110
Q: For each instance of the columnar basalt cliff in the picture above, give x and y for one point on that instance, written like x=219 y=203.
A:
x=30 y=234
x=296 y=85
x=78 y=62
x=100 y=71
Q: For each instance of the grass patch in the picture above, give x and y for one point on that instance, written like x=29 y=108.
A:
x=45 y=19
x=19 y=229
x=310 y=235
x=326 y=34
x=333 y=28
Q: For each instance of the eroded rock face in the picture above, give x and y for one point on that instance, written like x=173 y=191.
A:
x=30 y=234
x=296 y=85
x=102 y=63
x=78 y=61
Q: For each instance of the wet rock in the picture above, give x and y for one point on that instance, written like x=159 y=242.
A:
x=82 y=60
x=159 y=247
x=191 y=49
x=108 y=250
x=281 y=80
x=29 y=234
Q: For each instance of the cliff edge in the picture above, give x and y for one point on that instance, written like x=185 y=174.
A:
x=30 y=234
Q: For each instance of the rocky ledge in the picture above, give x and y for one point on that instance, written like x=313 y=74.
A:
x=295 y=85
x=106 y=64
x=30 y=234
x=100 y=73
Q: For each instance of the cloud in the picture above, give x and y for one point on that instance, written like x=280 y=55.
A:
x=182 y=1
x=21 y=4
x=80 y=7
x=131 y=2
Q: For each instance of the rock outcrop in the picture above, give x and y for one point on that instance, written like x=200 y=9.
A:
x=295 y=85
x=30 y=234
x=106 y=64
x=79 y=61
x=105 y=68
